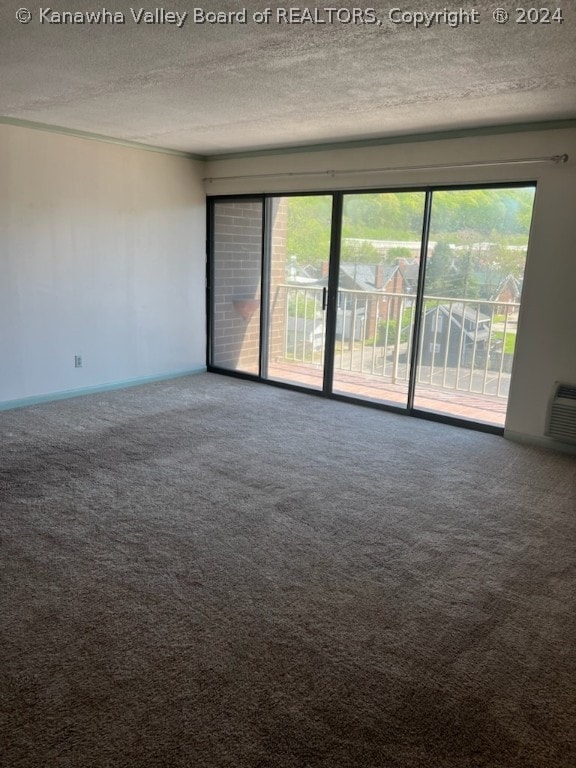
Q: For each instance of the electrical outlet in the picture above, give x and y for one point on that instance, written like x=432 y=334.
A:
x=77 y=361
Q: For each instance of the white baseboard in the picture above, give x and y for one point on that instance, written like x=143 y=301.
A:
x=49 y=397
x=540 y=442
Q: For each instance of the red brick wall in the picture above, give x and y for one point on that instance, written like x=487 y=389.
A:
x=237 y=261
x=277 y=278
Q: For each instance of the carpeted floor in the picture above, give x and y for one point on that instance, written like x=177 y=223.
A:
x=212 y=573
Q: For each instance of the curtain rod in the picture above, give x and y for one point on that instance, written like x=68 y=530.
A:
x=557 y=159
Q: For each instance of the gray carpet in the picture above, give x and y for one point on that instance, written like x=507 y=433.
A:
x=213 y=573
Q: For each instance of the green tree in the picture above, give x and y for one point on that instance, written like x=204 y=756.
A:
x=460 y=217
x=507 y=259
x=452 y=273
x=359 y=252
x=308 y=235
x=441 y=272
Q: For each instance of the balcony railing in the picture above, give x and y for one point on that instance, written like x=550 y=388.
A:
x=465 y=345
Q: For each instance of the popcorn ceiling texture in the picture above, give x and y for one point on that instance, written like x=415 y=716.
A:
x=213 y=573
x=212 y=89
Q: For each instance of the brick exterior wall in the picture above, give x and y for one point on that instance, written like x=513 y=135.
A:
x=237 y=266
x=277 y=278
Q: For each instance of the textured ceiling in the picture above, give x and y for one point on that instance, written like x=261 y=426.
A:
x=218 y=88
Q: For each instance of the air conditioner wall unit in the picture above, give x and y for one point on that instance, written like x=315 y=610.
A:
x=561 y=420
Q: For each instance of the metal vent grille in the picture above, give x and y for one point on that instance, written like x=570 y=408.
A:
x=567 y=391
x=562 y=413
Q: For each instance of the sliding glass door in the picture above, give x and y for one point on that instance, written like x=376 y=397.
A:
x=377 y=280
x=298 y=255
x=476 y=254
x=408 y=299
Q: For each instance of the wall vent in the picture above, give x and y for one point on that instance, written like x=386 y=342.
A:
x=561 y=422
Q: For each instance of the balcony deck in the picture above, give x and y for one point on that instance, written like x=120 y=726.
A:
x=485 y=409
x=464 y=358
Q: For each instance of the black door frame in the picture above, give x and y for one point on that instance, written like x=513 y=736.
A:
x=332 y=296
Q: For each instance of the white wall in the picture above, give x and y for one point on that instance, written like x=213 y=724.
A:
x=546 y=344
x=102 y=255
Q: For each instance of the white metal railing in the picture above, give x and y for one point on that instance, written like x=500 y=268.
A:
x=465 y=345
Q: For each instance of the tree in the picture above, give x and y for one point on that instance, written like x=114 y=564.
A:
x=359 y=252
x=507 y=259
x=441 y=272
x=465 y=218
x=452 y=273
x=309 y=223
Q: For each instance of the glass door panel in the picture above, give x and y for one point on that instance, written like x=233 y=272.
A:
x=299 y=253
x=377 y=283
x=236 y=285
x=473 y=281
x=279 y=290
